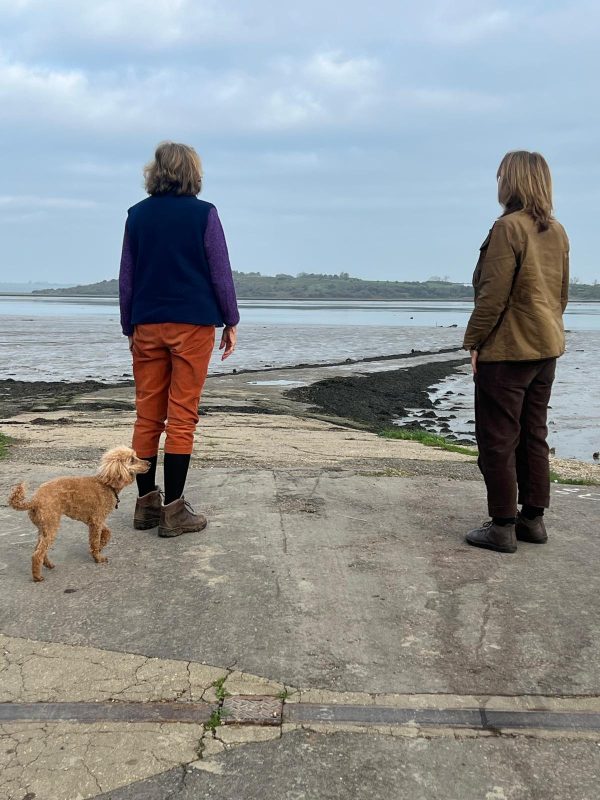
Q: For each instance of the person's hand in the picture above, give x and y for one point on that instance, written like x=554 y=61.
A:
x=130 y=343
x=474 y=354
x=228 y=341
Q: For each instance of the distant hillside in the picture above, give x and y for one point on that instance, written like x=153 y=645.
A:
x=102 y=289
x=307 y=286
x=28 y=286
x=254 y=286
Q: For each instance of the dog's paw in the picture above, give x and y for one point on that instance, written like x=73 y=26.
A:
x=38 y=578
x=102 y=560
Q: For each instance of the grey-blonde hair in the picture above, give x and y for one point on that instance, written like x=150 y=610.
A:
x=175 y=168
x=525 y=182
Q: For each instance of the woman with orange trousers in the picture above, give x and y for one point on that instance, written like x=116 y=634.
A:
x=175 y=288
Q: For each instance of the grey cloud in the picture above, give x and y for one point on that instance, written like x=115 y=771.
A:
x=362 y=138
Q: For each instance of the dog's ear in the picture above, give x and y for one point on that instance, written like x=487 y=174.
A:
x=113 y=468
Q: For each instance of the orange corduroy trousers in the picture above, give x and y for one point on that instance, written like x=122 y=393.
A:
x=170 y=363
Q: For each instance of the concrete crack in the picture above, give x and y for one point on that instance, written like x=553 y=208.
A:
x=316 y=486
x=92 y=776
x=281 y=522
x=189 y=679
x=283 y=533
x=181 y=786
x=484 y=624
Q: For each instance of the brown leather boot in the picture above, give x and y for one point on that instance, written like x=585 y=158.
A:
x=179 y=517
x=494 y=537
x=147 y=510
x=531 y=530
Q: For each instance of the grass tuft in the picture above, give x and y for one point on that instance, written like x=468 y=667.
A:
x=428 y=439
x=4 y=442
x=556 y=478
x=440 y=442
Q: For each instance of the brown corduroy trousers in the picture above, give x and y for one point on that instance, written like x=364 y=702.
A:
x=511 y=408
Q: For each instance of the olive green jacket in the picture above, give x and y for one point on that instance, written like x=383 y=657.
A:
x=521 y=287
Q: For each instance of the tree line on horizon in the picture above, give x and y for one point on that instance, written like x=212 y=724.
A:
x=316 y=286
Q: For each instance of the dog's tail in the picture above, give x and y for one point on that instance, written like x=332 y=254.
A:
x=17 y=499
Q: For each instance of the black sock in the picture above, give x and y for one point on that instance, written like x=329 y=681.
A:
x=147 y=482
x=503 y=520
x=531 y=512
x=176 y=469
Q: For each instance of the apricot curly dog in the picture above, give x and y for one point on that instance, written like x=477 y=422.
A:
x=89 y=500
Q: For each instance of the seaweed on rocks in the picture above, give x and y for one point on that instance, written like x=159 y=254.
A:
x=378 y=398
x=40 y=396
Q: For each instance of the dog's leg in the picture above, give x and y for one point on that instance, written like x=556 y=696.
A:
x=47 y=563
x=37 y=559
x=95 y=543
x=104 y=537
x=47 y=530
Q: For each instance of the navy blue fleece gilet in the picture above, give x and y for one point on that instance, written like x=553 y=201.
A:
x=171 y=274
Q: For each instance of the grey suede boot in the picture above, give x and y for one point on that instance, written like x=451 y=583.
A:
x=531 y=530
x=179 y=517
x=494 y=537
x=147 y=510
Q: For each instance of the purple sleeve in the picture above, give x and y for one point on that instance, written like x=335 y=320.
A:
x=126 y=286
x=221 y=276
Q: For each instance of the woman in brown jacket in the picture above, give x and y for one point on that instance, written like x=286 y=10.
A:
x=515 y=334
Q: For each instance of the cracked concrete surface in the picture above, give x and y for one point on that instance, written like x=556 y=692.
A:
x=309 y=765
x=374 y=592
x=85 y=759
x=51 y=672
x=70 y=761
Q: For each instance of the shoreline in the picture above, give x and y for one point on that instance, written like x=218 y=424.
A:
x=467 y=297
x=18 y=396
x=340 y=395
x=378 y=399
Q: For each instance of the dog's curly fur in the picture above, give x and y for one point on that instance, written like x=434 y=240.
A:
x=89 y=500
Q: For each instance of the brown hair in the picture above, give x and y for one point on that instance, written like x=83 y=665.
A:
x=176 y=168
x=525 y=183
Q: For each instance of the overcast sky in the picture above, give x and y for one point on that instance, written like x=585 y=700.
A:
x=335 y=136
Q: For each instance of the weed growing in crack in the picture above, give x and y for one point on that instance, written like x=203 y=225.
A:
x=220 y=690
x=217 y=715
x=214 y=721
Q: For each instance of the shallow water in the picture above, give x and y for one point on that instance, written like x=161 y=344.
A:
x=47 y=338
x=72 y=339
x=411 y=313
x=574 y=415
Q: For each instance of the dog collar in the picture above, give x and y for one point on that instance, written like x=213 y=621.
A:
x=116 y=497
